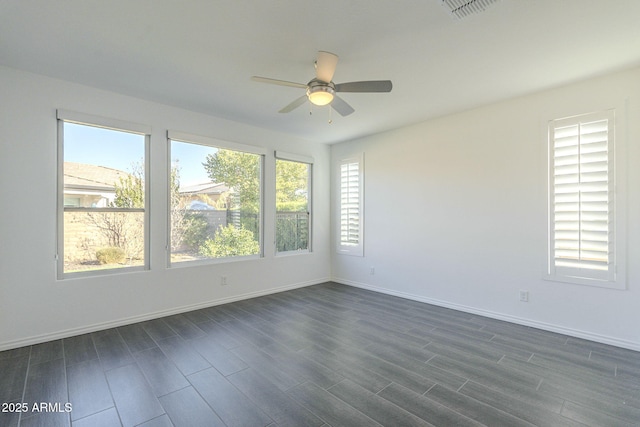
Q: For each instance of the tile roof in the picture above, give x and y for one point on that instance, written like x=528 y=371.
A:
x=80 y=175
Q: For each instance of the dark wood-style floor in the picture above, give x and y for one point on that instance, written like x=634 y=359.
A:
x=325 y=355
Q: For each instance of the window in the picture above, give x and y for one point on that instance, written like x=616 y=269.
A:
x=350 y=221
x=215 y=199
x=102 y=195
x=293 y=203
x=582 y=246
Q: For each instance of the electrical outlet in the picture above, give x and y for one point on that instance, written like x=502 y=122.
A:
x=372 y=271
x=223 y=281
x=524 y=296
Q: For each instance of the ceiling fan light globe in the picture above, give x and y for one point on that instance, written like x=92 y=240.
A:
x=320 y=93
x=320 y=98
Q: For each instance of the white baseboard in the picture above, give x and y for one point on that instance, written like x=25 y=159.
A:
x=37 y=339
x=630 y=345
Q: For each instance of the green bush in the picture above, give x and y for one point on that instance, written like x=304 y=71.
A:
x=230 y=241
x=110 y=255
x=196 y=230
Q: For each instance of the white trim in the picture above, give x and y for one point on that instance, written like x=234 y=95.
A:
x=8 y=345
x=59 y=255
x=147 y=201
x=104 y=122
x=210 y=261
x=577 y=333
x=282 y=155
x=213 y=142
x=292 y=253
x=169 y=169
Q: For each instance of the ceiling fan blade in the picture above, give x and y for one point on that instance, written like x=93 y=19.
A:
x=278 y=82
x=295 y=104
x=366 y=86
x=326 y=65
x=341 y=106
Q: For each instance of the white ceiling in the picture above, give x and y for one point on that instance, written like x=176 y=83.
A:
x=200 y=54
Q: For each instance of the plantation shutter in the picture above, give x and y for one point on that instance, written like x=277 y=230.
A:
x=582 y=197
x=350 y=232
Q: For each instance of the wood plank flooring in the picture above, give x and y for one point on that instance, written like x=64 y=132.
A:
x=325 y=355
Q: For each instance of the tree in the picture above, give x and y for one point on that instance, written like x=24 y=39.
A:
x=241 y=173
x=291 y=186
x=130 y=189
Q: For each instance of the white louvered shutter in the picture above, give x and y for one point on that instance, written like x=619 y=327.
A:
x=581 y=197
x=350 y=232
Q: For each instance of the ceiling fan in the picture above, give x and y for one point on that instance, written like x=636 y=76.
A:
x=322 y=90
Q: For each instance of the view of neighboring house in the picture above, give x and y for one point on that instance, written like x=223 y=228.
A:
x=203 y=195
x=90 y=186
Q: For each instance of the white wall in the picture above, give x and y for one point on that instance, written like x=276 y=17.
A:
x=34 y=306
x=456 y=213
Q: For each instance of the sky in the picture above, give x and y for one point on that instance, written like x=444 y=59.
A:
x=189 y=158
x=123 y=150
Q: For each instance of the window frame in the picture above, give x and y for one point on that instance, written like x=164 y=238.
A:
x=342 y=248
x=189 y=138
x=614 y=275
x=66 y=116
x=292 y=157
